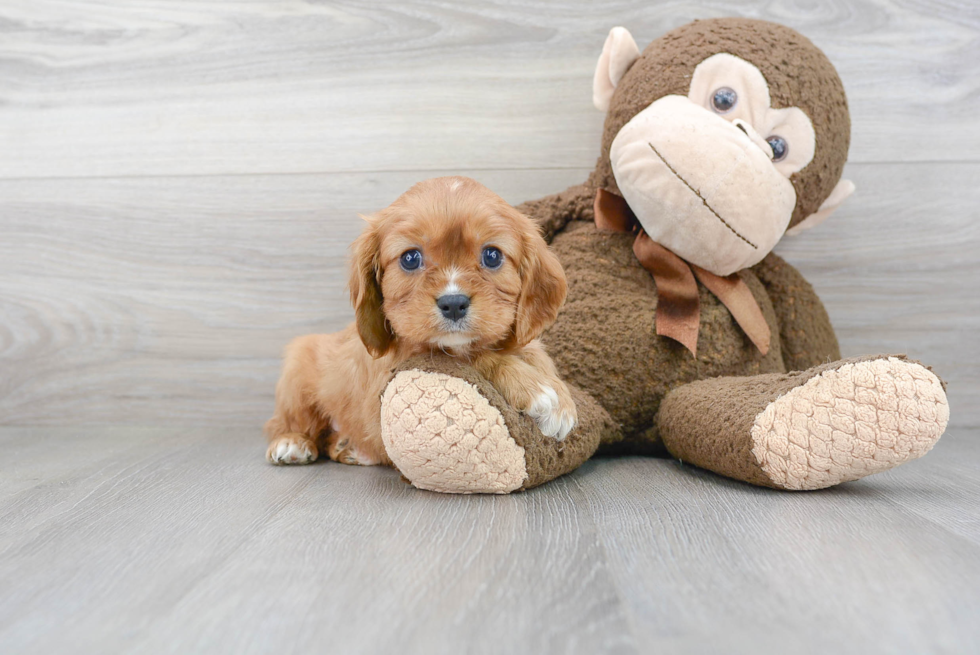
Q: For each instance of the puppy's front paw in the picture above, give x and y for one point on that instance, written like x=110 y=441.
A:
x=554 y=411
x=291 y=449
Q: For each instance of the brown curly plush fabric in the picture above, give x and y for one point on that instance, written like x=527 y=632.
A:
x=604 y=339
x=555 y=211
x=806 y=342
x=798 y=73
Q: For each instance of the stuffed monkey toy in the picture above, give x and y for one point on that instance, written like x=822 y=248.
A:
x=683 y=334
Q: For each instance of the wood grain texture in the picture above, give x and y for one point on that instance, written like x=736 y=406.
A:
x=164 y=541
x=142 y=300
x=179 y=183
x=183 y=87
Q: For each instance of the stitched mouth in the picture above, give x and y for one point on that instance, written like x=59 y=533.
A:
x=700 y=197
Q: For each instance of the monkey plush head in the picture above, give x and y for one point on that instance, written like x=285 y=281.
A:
x=722 y=136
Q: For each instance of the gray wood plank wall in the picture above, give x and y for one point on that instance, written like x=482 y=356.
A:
x=179 y=181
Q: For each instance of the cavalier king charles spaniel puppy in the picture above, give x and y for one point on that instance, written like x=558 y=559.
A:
x=450 y=267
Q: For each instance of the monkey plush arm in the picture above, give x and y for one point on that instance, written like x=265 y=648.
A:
x=807 y=337
x=554 y=212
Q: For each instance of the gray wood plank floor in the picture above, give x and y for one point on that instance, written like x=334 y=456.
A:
x=179 y=183
x=159 y=540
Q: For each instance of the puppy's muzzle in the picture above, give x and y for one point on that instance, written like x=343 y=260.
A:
x=453 y=306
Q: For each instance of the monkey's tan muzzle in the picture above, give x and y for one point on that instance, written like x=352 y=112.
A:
x=700 y=186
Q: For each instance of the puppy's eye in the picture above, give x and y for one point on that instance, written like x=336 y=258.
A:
x=410 y=260
x=492 y=257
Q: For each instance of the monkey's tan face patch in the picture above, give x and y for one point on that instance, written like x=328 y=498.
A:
x=753 y=105
x=710 y=180
x=700 y=186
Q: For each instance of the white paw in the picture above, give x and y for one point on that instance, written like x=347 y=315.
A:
x=363 y=459
x=552 y=419
x=290 y=451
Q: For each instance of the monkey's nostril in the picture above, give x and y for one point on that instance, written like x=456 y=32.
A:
x=754 y=137
x=453 y=306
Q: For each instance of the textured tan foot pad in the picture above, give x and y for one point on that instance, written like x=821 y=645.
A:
x=443 y=435
x=849 y=422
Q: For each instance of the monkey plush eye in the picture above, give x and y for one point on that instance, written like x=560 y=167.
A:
x=410 y=260
x=724 y=99
x=779 y=147
x=492 y=257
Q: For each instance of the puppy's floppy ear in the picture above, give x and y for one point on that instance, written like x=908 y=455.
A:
x=543 y=288
x=365 y=291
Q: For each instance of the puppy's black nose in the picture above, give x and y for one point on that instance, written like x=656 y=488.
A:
x=453 y=306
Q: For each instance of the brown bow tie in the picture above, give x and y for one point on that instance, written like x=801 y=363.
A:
x=678 y=306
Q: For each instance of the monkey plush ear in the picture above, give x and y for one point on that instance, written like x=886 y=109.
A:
x=840 y=193
x=618 y=54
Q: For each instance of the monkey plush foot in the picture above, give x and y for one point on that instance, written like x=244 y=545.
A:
x=448 y=430
x=849 y=422
x=808 y=430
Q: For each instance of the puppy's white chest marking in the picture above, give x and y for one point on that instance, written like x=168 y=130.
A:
x=453 y=341
x=546 y=411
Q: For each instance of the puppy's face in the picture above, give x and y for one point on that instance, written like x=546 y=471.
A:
x=451 y=265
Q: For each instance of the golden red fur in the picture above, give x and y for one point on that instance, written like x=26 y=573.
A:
x=328 y=397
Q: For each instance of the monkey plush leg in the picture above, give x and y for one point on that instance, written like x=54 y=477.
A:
x=447 y=429
x=810 y=429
